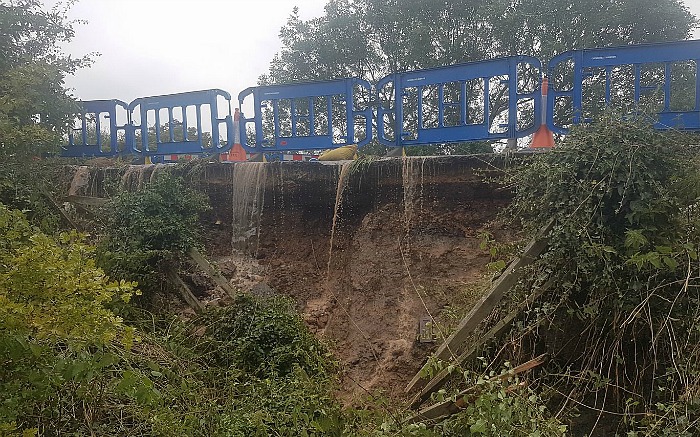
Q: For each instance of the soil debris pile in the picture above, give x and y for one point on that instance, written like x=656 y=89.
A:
x=403 y=239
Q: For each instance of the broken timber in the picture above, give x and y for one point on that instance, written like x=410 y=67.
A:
x=440 y=379
x=184 y=291
x=448 y=408
x=483 y=308
x=67 y=220
x=218 y=278
x=87 y=200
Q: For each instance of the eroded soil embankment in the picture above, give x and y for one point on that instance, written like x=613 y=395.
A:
x=406 y=244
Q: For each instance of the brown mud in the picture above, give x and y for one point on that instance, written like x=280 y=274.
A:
x=366 y=249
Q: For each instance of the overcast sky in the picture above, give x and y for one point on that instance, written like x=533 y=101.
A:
x=152 y=47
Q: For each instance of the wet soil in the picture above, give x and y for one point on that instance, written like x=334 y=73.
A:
x=406 y=244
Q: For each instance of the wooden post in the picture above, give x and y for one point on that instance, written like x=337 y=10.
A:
x=184 y=291
x=87 y=200
x=483 y=308
x=67 y=220
x=440 y=379
x=211 y=271
x=448 y=408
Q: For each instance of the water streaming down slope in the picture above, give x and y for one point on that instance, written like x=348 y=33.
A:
x=248 y=182
x=136 y=176
x=368 y=296
x=157 y=170
x=342 y=184
x=412 y=175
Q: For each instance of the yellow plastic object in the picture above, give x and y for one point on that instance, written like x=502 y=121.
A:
x=339 y=154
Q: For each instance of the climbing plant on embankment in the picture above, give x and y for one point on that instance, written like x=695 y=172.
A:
x=623 y=318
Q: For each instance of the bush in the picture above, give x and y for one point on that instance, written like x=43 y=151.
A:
x=54 y=323
x=51 y=289
x=266 y=337
x=147 y=231
x=622 y=259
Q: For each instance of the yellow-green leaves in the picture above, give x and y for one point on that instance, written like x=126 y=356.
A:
x=51 y=289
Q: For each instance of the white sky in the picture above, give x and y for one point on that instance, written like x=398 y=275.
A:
x=152 y=47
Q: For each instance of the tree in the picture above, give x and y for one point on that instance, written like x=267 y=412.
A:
x=35 y=106
x=372 y=38
x=36 y=109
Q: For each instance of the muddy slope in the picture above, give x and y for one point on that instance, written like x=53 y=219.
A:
x=406 y=239
x=405 y=234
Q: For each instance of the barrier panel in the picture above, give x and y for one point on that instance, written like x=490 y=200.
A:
x=93 y=139
x=660 y=80
x=179 y=135
x=486 y=100
x=313 y=115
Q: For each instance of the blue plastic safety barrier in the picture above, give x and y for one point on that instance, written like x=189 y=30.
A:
x=90 y=140
x=456 y=103
x=659 y=79
x=186 y=143
x=307 y=116
x=149 y=139
x=479 y=101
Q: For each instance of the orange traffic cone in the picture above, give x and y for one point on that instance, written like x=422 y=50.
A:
x=543 y=138
x=236 y=153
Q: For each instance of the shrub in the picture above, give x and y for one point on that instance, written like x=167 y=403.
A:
x=622 y=259
x=147 y=231
x=54 y=323
x=266 y=337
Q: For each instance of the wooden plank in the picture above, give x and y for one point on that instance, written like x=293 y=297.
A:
x=442 y=377
x=211 y=271
x=445 y=409
x=67 y=220
x=184 y=291
x=483 y=308
x=87 y=200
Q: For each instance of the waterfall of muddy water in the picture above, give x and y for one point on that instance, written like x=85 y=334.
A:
x=412 y=175
x=340 y=188
x=136 y=176
x=129 y=176
x=248 y=185
x=81 y=180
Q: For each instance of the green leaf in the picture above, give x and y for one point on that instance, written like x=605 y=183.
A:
x=479 y=427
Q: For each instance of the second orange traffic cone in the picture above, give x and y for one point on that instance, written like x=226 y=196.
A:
x=237 y=153
x=543 y=138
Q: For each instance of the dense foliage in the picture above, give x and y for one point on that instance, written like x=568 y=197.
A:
x=67 y=365
x=54 y=320
x=50 y=289
x=623 y=264
x=36 y=109
x=266 y=338
x=148 y=231
x=35 y=106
